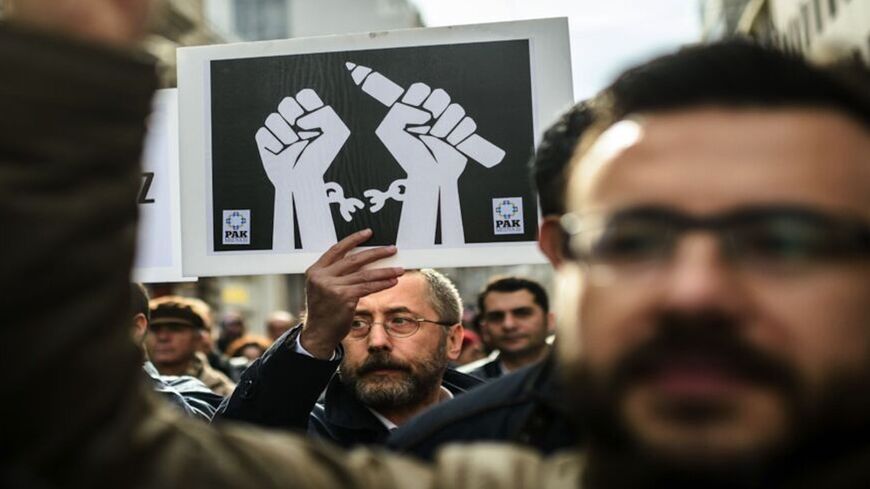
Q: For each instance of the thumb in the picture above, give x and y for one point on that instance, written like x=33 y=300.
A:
x=404 y=115
x=439 y=148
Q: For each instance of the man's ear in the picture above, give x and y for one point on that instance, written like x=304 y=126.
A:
x=551 y=322
x=454 y=341
x=551 y=240
x=140 y=328
x=199 y=338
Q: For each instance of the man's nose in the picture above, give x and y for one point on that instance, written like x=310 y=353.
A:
x=378 y=339
x=510 y=321
x=699 y=276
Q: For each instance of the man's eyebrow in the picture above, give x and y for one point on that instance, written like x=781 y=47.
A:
x=395 y=310
x=392 y=310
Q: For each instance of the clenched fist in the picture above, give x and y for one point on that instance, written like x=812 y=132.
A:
x=297 y=143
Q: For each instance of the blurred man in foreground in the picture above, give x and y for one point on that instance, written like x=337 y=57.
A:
x=714 y=303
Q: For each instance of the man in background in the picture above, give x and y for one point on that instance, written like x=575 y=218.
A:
x=174 y=341
x=515 y=320
x=278 y=323
x=232 y=327
x=186 y=392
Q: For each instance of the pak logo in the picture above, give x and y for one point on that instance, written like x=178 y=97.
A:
x=507 y=215
x=237 y=227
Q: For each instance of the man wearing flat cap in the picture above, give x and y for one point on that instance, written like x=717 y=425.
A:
x=176 y=328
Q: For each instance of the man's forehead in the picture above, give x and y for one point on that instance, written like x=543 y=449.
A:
x=496 y=300
x=712 y=158
x=409 y=294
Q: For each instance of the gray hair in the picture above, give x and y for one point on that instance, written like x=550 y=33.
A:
x=443 y=296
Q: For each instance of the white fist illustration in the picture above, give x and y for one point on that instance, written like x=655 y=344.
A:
x=297 y=144
x=422 y=132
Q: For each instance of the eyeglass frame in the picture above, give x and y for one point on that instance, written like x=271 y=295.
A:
x=855 y=229
x=390 y=333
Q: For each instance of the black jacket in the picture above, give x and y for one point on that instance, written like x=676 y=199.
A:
x=488 y=371
x=525 y=406
x=281 y=390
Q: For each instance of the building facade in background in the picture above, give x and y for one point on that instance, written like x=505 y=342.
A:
x=257 y=20
x=819 y=29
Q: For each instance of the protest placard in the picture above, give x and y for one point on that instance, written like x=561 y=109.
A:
x=422 y=135
x=158 y=247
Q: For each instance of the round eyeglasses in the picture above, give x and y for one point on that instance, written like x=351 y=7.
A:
x=395 y=326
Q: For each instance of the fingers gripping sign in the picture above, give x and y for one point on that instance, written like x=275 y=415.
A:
x=334 y=285
x=297 y=144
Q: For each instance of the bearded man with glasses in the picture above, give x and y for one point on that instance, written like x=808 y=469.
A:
x=715 y=275
x=390 y=333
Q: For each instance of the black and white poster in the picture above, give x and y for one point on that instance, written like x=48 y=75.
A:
x=426 y=144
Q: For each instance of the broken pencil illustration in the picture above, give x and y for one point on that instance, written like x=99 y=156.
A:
x=388 y=92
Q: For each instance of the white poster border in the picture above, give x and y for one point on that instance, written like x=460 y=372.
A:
x=166 y=104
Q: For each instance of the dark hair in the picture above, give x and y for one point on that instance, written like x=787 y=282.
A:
x=513 y=284
x=139 y=300
x=553 y=154
x=734 y=73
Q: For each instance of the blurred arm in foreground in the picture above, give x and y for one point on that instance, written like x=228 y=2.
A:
x=71 y=132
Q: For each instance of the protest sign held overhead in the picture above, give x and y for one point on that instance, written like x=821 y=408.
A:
x=288 y=146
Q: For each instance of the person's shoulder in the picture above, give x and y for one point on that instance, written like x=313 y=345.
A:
x=458 y=382
x=494 y=393
x=215 y=377
x=185 y=383
x=507 y=466
x=480 y=368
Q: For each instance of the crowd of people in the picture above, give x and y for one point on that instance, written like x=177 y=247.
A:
x=707 y=216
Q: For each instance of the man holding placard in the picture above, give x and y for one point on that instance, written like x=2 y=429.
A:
x=390 y=333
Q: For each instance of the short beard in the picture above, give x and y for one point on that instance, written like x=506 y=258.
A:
x=410 y=389
x=532 y=351
x=822 y=426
